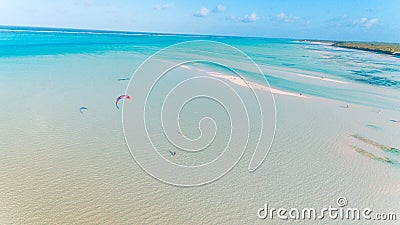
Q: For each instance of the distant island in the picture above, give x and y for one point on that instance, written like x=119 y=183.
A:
x=386 y=48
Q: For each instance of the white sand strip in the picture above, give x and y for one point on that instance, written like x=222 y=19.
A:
x=243 y=83
x=321 y=78
x=240 y=82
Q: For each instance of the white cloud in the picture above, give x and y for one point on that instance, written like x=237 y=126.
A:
x=232 y=18
x=346 y=21
x=372 y=22
x=282 y=17
x=203 y=12
x=163 y=6
x=219 y=8
x=367 y=23
x=285 y=18
x=363 y=20
x=249 y=18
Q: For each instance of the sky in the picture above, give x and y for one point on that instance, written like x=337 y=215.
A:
x=369 y=20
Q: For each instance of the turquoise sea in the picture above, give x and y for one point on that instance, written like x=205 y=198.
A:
x=58 y=165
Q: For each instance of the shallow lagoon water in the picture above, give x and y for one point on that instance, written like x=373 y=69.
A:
x=60 y=166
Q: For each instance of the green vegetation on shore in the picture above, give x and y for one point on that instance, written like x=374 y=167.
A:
x=387 y=48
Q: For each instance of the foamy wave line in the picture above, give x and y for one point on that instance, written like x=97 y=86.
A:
x=104 y=33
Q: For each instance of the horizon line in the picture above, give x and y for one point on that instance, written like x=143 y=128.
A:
x=129 y=31
x=183 y=34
